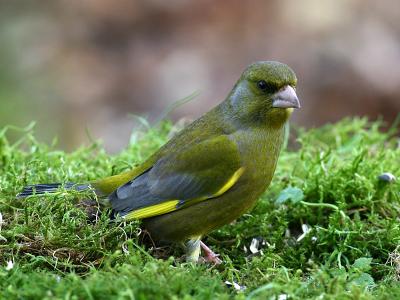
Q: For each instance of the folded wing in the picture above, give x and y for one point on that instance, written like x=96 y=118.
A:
x=195 y=173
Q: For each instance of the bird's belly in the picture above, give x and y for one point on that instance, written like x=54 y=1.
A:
x=201 y=218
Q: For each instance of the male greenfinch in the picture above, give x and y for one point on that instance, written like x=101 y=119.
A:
x=212 y=171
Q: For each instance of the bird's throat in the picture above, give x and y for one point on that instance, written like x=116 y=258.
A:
x=277 y=117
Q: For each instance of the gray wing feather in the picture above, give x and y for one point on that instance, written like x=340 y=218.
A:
x=172 y=177
x=142 y=192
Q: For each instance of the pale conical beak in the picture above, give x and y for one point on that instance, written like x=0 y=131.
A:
x=286 y=98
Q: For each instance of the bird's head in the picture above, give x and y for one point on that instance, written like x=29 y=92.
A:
x=265 y=93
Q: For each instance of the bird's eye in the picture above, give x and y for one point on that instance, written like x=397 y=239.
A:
x=262 y=85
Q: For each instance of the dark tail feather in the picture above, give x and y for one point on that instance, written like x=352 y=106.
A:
x=38 y=189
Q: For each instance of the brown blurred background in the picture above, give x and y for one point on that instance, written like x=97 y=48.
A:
x=72 y=65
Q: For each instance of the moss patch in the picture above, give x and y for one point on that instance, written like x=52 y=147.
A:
x=327 y=227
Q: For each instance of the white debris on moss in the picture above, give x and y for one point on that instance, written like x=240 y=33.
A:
x=306 y=229
x=235 y=285
x=10 y=265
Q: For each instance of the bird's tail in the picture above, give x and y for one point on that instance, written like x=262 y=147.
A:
x=38 y=189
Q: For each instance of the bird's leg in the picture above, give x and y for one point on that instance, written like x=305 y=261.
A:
x=209 y=255
x=193 y=250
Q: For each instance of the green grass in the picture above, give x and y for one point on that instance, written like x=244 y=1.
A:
x=351 y=249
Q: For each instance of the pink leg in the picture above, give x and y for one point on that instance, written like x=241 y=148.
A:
x=209 y=255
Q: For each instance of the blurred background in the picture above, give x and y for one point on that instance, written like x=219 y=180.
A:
x=78 y=66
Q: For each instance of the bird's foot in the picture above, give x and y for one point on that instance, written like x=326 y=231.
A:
x=209 y=255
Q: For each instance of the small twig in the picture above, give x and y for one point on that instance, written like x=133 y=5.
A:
x=328 y=205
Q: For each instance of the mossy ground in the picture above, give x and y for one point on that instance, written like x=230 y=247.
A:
x=49 y=249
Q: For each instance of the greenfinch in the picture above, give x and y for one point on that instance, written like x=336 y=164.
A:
x=212 y=171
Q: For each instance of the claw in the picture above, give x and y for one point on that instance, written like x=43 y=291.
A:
x=209 y=255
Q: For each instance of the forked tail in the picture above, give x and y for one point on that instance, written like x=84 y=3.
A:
x=38 y=189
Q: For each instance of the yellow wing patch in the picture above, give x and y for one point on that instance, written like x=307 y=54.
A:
x=230 y=182
x=171 y=205
x=154 y=210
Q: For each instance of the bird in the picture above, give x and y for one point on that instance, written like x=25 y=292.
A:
x=212 y=171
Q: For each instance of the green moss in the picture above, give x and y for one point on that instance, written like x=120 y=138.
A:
x=350 y=251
